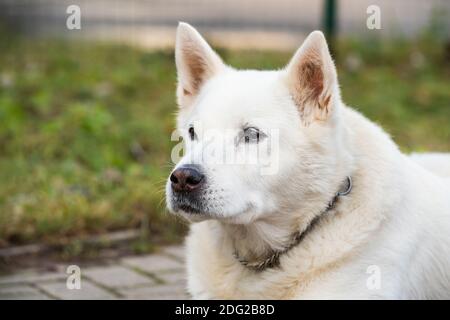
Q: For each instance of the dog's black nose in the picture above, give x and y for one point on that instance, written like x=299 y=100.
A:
x=186 y=178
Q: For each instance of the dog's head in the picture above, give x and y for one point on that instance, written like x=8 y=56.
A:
x=256 y=142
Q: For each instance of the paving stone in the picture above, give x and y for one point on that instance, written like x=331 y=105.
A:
x=116 y=276
x=31 y=277
x=153 y=263
x=88 y=291
x=176 y=251
x=160 y=292
x=174 y=277
x=117 y=281
x=21 y=292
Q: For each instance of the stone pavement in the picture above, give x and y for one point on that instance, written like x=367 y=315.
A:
x=154 y=276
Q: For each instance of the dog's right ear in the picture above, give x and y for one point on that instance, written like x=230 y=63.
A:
x=196 y=63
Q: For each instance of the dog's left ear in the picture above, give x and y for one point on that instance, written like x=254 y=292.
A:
x=312 y=79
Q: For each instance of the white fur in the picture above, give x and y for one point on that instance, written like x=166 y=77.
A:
x=397 y=217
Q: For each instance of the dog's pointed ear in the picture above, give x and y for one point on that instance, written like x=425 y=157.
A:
x=312 y=79
x=196 y=63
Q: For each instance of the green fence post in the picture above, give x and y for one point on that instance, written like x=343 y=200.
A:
x=329 y=23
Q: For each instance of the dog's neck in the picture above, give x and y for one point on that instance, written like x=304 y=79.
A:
x=273 y=259
x=262 y=240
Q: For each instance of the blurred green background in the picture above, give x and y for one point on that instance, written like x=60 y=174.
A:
x=85 y=126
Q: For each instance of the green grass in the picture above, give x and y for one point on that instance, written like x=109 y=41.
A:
x=85 y=128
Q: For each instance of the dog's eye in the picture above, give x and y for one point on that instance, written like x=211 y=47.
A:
x=252 y=135
x=191 y=133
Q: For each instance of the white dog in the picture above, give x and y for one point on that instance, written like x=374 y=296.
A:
x=343 y=214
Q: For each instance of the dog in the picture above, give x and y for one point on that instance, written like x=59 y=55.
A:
x=341 y=213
